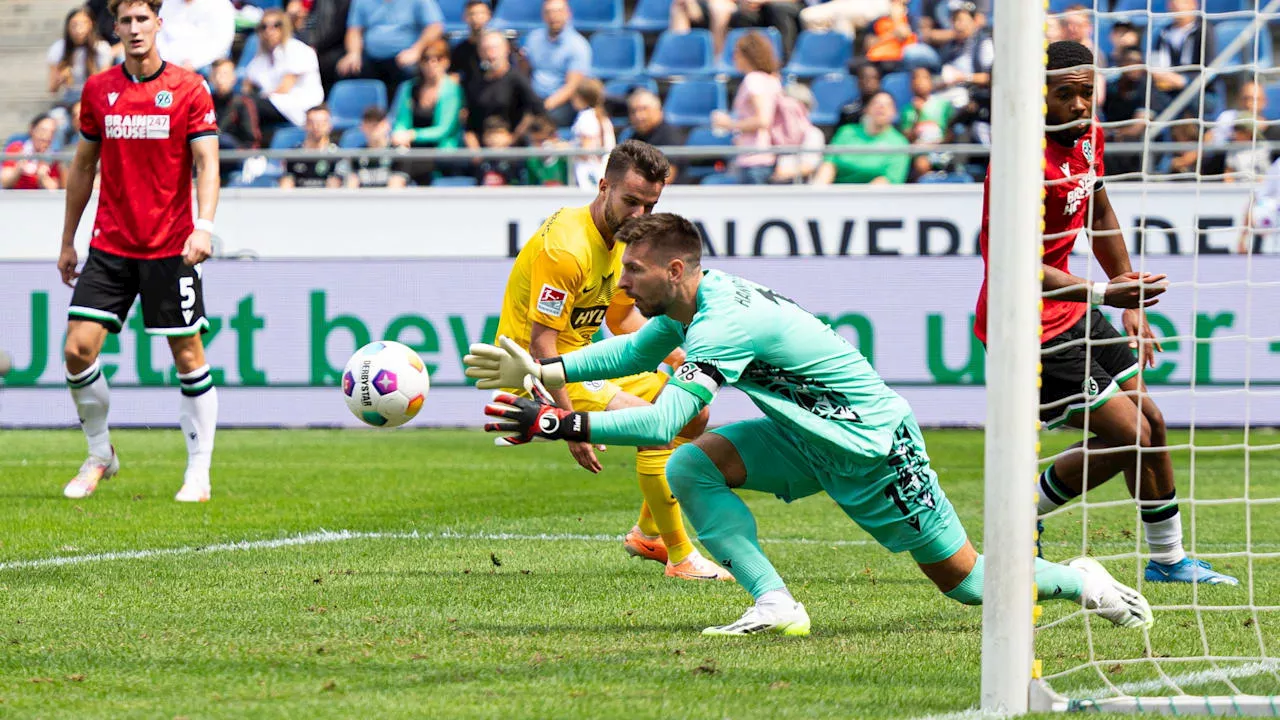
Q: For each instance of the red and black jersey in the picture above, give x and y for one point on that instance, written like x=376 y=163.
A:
x=1071 y=175
x=145 y=126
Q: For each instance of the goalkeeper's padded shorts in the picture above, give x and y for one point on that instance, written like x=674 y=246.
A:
x=895 y=498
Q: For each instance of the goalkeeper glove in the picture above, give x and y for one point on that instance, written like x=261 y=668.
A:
x=533 y=419
x=505 y=366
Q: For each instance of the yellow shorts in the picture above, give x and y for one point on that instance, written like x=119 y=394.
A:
x=595 y=395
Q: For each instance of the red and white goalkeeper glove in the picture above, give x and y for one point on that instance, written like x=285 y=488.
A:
x=533 y=419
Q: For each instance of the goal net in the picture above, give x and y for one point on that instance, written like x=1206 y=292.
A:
x=1188 y=100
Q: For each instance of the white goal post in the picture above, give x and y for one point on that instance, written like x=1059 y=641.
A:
x=1212 y=651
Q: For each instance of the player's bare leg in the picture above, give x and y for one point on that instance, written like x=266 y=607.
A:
x=1084 y=580
x=670 y=544
x=198 y=415
x=1130 y=430
x=91 y=394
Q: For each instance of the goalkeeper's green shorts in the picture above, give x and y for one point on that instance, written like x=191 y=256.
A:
x=896 y=498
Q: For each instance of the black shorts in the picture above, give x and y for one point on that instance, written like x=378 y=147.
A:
x=172 y=294
x=1083 y=376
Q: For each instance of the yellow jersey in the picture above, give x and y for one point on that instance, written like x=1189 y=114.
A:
x=566 y=278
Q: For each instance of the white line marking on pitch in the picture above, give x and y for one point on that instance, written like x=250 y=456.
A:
x=332 y=536
x=1190 y=679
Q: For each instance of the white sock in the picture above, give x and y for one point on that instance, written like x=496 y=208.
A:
x=92 y=397
x=198 y=416
x=1052 y=493
x=780 y=597
x=1164 y=539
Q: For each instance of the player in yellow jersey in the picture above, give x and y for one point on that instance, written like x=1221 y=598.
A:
x=563 y=287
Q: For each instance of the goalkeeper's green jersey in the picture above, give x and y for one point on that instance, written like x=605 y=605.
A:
x=798 y=370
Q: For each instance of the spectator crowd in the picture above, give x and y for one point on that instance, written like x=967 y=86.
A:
x=330 y=76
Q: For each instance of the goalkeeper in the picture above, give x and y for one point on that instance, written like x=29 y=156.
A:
x=831 y=425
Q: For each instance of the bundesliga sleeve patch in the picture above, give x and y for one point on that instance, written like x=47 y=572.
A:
x=702 y=379
x=551 y=300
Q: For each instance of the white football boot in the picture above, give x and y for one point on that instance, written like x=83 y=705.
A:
x=782 y=619
x=93 y=471
x=1112 y=600
x=195 y=487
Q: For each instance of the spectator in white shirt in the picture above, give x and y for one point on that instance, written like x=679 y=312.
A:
x=1250 y=104
x=194 y=33
x=79 y=54
x=285 y=71
x=592 y=130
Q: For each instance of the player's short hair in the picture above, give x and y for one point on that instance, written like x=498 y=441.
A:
x=647 y=160
x=113 y=6
x=1065 y=54
x=668 y=234
x=373 y=114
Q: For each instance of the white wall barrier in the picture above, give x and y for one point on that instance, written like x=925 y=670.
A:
x=282 y=330
x=1180 y=219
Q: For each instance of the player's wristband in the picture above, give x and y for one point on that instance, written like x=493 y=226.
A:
x=205 y=225
x=552 y=371
x=1098 y=293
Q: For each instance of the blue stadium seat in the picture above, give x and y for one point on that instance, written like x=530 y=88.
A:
x=617 y=53
x=454 y=181
x=348 y=99
x=650 y=16
x=724 y=64
x=618 y=88
x=1224 y=31
x=820 y=53
x=353 y=139
x=830 y=94
x=518 y=15
x=268 y=179
x=248 y=51
x=288 y=137
x=682 y=55
x=690 y=103
x=1272 y=111
x=452 y=11
x=898 y=84
x=719 y=179
x=593 y=15
x=1226 y=6
x=945 y=178
x=16 y=137
x=1156 y=6
x=266 y=4
x=1060 y=6
x=705 y=136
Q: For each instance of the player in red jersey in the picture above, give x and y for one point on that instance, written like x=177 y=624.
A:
x=1087 y=367
x=149 y=122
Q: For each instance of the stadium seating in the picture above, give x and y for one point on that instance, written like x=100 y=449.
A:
x=288 y=137
x=248 y=51
x=682 y=55
x=1141 y=6
x=617 y=53
x=348 y=99
x=690 y=103
x=1272 y=111
x=719 y=179
x=353 y=139
x=1225 y=31
x=266 y=4
x=650 y=16
x=898 y=85
x=830 y=94
x=269 y=179
x=724 y=64
x=593 y=15
x=705 y=136
x=1060 y=6
x=452 y=11
x=819 y=53
x=518 y=15
x=616 y=90
x=454 y=181
x=1225 y=6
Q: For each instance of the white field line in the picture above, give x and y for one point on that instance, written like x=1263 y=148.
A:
x=331 y=536
x=970 y=714
x=1189 y=679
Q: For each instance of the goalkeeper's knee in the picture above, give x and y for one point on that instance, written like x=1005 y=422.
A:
x=690 y=470
x=969 y=591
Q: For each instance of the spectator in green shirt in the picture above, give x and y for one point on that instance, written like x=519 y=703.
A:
x=429 y=111
x=874 y=130
x=926 y=119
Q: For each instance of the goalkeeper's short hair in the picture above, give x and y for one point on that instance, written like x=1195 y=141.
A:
x=668 y=234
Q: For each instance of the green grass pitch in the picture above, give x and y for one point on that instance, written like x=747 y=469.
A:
x=514 y=598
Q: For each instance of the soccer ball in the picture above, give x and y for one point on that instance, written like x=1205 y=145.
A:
x=385 y=384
